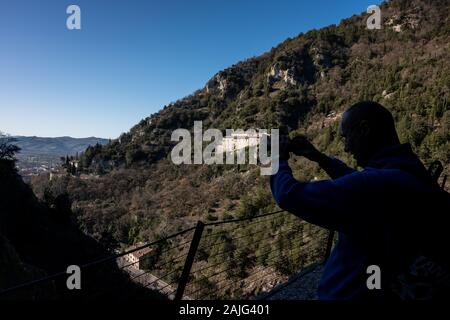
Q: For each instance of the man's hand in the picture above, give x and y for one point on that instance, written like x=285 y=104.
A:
x=300 y=146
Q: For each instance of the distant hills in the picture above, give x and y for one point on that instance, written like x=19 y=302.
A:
x=59 y=146
x=43 y=153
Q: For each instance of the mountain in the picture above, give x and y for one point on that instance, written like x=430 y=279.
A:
x=304 y=82
x=300 y=86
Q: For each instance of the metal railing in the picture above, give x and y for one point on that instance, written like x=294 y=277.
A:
x=237 y=259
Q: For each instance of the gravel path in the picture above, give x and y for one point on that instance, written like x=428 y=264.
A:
x=303 y=286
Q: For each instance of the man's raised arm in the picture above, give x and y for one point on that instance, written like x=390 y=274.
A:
x=328 y=203
x=335 y=168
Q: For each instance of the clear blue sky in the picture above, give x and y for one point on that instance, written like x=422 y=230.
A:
x=132 y=57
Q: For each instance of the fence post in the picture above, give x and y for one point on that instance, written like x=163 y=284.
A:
x=329 y=245
x=189 y=260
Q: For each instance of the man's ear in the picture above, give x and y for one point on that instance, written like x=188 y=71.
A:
x=364 y=128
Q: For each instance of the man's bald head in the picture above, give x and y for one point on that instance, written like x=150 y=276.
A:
x=377 y=117
x=367 y=127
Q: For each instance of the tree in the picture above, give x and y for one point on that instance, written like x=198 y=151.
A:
x=8 y=150
x=99 y=169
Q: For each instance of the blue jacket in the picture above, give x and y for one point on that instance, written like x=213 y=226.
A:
x=375 y=211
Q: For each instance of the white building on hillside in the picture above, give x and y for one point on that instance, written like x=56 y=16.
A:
x=137 y=257
x=241 y=140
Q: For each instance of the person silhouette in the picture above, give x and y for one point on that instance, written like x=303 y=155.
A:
x=378 y=211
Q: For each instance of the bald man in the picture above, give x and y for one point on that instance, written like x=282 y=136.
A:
x=379 y=212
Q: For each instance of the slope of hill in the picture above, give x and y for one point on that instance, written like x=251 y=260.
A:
x=38 y=239
x=300 y=86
